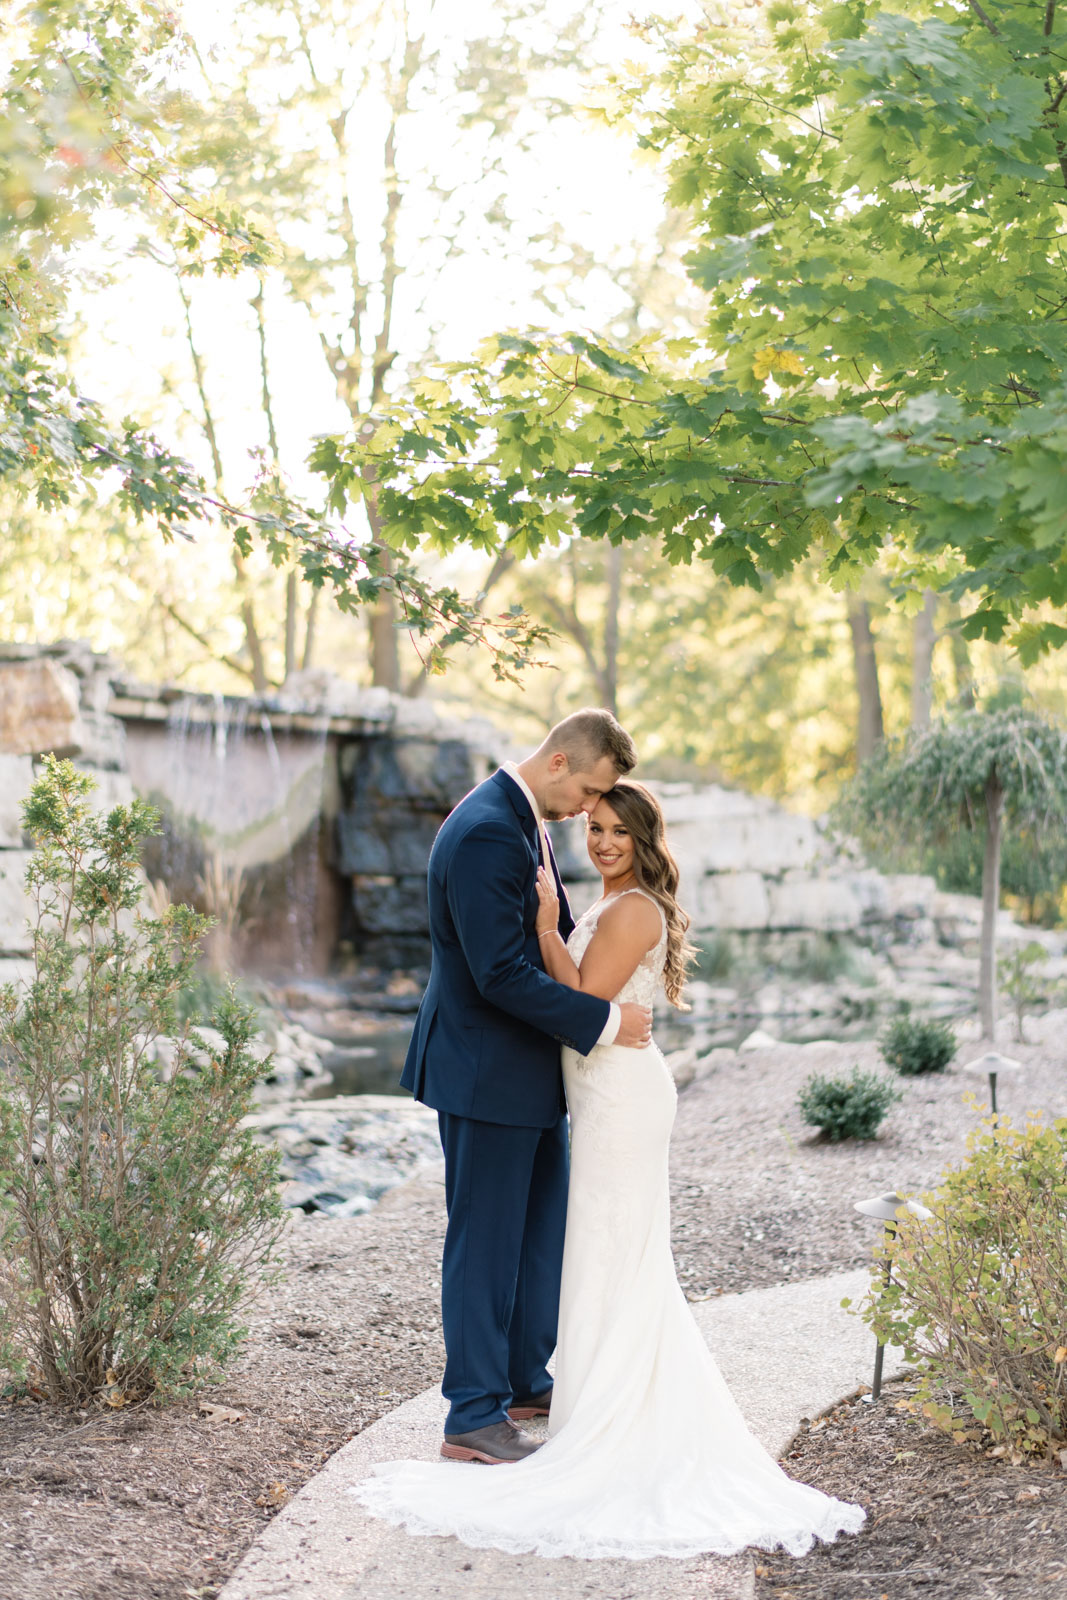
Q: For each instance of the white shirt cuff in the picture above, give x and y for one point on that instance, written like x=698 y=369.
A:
x=612 y=1026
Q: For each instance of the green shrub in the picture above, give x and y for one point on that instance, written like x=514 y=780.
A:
x=134 y=1208
x=976 y=1295
x=913 y=1046
x=207 y=990
x=1024 y=979
x=847 y=1108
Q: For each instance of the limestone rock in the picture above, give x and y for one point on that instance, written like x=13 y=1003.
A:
x=829 y=905
x=16 y=776
x=112 y=789
x=15 y=972
x=39 y=709
x=725 y=830
x=759 y=1040
x=683 y=1066
x=15 y=906
x=728 y=900
x=910 y=895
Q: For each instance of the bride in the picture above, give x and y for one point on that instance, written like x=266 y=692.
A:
x=647 y=1454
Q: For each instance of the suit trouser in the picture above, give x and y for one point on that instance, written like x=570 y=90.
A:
x=506 y=1191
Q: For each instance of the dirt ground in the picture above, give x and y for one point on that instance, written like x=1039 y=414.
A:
x=943 y=1519
x=160 y=1504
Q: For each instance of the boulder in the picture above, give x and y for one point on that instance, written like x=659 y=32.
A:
x=829 y=905
x=39 y=709
x=725 y=830
x=909 y=895
x=683 y=1066
x=727 y=900
x=112 y=789
x=17 y=973
x=15 y=905
x=16 y=776
x=759 y=1040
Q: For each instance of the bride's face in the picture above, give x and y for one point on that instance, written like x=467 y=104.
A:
x=610 y=846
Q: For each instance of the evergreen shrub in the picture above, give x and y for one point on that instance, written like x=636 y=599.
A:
x=914 y=1045
x=135 y=1210
x=976 y=1296
x=847 y=1108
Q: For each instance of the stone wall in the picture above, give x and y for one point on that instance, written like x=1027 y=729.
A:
x=52 y=698
x=749 y=866
x=304 y=820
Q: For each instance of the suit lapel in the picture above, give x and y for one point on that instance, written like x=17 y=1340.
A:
x=566 y=915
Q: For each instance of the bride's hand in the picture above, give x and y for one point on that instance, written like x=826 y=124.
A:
x=548 y=910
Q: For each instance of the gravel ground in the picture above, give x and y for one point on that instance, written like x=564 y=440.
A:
x=160 y=1505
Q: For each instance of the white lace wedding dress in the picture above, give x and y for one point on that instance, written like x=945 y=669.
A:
x=647 y=1455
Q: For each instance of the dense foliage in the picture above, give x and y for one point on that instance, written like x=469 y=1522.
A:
x=916 y=1045
x=135 y=1210
x=847 y=1108
x=975 y=1296
x=879 y=193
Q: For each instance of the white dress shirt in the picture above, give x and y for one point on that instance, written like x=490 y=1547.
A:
x=614 y=1022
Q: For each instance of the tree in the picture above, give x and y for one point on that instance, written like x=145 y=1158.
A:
x=380 y=160
x=89 y=107
x=883 y=378
x=999 y=771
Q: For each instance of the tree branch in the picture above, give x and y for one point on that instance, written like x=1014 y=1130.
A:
x=205 y=643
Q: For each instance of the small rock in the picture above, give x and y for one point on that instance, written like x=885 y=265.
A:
x=759 y=1040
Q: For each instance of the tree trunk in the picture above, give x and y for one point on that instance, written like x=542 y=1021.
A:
x=961 y=666
x=987 y=965
x=870 y=728
x=384 y=651
x=309 y=628
x=611 y=628
x=923 y=639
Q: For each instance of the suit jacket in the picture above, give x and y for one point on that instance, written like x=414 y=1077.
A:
x=487 y=1035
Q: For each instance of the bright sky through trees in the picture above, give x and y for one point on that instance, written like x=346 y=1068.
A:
x=579 y=174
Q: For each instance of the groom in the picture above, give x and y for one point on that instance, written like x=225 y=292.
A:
x=485 y=1055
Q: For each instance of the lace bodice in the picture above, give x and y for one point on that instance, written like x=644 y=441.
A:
x=641 y=986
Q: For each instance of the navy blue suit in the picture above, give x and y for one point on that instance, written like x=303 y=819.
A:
x=485 y=1054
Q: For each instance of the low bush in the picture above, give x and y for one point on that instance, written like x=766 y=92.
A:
x=913 y=1046
x=135 y=1210
x=847 y=1108
x=976 y=1296
x=1024 y=978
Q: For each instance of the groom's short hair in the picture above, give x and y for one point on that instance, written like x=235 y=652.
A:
x=587 y=735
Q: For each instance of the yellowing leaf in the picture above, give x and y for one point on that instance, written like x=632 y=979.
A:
x=770 y=360
x=1061 y=1354
x=273 y=1495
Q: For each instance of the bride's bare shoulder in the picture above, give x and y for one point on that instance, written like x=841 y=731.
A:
x=635 y=915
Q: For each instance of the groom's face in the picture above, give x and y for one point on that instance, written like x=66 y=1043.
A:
x=568 y=792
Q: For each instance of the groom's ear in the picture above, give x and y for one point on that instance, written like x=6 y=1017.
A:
x=557 y=762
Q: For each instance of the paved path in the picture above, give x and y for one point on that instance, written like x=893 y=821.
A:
x=787 y=1354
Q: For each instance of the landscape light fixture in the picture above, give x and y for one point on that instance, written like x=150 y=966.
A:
x=993 y=1065
x=885 y=1208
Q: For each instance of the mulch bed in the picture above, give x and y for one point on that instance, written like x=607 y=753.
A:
x=943 y=1519
x=160 y=1504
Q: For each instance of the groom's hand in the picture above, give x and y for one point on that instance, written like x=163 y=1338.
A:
x=635 y=1029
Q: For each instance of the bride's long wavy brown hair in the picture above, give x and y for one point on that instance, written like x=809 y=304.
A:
x=656 y=872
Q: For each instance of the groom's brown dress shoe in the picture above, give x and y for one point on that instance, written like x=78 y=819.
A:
x=537 y=1405
x=497 y=1444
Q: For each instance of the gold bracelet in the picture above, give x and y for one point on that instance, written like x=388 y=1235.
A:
x=546 y=933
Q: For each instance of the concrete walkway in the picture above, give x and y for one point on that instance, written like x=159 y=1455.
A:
x=787 y=1354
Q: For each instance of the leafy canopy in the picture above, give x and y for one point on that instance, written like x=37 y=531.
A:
x=880 y=198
